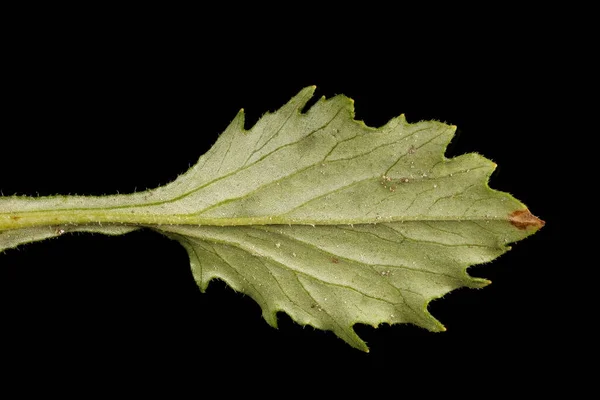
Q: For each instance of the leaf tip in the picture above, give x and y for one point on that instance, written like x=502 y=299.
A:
x=271 y=318
x=523 y=219
x=309 y=90
x=478 y=283
x=362 y=346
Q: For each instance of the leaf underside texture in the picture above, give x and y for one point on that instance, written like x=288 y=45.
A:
x=314 y=214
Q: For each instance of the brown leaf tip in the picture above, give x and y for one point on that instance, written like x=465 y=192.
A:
x=524 y=219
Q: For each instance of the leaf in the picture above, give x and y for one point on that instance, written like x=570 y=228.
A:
x=314 y=214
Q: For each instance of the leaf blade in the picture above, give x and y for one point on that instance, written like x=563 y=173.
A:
x=316 y=215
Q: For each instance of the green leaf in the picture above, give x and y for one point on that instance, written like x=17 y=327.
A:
x=314 y=214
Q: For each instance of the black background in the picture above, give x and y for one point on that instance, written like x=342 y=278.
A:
x=113 y=108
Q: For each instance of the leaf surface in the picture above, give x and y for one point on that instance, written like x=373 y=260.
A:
x=316 y=215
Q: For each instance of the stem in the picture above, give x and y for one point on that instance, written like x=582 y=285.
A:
x=28 y=219
x=69 y=217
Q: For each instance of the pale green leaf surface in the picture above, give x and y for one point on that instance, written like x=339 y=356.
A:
x=316 y=215
x=14 y=237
